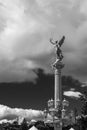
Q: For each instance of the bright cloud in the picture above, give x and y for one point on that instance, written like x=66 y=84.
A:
x=72 y=94
x=25 y=29
x=8 y=113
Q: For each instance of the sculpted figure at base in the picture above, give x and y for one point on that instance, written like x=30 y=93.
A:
x=58 y=45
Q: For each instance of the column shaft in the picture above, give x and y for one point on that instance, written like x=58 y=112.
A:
x=58 y=89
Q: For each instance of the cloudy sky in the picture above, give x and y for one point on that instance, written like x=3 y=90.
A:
x=25 y=29
x=13 y=113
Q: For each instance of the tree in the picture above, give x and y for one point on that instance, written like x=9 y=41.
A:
x=75 y=113
x=84 y=102
x=40 y=125
x=24 y=125
x=83 y=119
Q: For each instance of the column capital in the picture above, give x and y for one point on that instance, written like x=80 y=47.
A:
x=58 y=65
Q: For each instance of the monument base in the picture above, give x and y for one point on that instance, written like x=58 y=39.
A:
x=58 y=125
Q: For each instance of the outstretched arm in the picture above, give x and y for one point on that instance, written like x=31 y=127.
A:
x=51 y=40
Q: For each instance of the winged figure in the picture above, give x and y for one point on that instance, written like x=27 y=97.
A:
x=58 y=45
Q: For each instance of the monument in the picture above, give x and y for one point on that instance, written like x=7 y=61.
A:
x=58 y=65
x=56 y=107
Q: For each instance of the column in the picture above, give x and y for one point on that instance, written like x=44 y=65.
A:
x=58 y=88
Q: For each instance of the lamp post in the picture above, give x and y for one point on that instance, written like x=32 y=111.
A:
x=65 y=104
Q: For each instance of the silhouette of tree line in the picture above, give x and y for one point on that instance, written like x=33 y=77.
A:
x=81 y=124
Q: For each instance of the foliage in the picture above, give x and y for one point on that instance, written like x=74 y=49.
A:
x=40 y=125
x=24 y=125
x=83 y=120
x=84 y=102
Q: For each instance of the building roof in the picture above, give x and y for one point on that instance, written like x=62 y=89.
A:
x=71 y=129
x=33 y=128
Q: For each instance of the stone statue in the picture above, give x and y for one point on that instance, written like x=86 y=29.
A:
x=58 y=45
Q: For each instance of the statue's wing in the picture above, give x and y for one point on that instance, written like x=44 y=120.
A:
x=61 y=41
x=51 y=40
